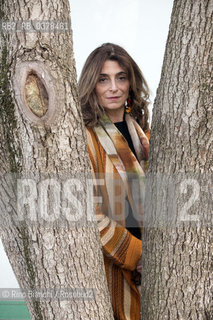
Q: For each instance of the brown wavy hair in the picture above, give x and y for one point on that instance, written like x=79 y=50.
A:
x=138 y=94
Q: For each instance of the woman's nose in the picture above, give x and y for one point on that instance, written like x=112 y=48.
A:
x=113 y=85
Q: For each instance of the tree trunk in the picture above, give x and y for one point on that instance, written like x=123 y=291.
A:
x=48 y=226
x=177 y=235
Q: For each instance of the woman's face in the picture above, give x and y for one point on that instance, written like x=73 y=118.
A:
x=112 y=89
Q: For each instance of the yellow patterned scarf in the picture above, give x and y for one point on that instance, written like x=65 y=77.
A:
x=128 y=167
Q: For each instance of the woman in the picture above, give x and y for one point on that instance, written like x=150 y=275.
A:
x=114 y=98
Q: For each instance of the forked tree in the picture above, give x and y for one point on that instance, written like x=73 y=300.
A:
x=43 y=144
x=177 y=239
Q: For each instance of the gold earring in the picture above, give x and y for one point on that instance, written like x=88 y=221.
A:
x=128 y=106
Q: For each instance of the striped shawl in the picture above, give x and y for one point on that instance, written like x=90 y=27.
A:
x=117 y=171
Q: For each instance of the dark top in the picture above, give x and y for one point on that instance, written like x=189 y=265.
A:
x=131 y=223
x=123 y=128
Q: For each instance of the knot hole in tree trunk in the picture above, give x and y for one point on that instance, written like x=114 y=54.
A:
x=36 y=95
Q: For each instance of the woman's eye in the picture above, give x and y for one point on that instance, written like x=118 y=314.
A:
x=122 y=78
x=102 y=80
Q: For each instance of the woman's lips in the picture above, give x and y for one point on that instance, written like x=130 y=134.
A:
x=113 y=98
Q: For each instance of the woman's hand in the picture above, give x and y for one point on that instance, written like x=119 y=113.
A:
x=137 y=273
x=139 y=265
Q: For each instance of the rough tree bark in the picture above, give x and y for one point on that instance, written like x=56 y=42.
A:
x=44 y=157
x=177 y=236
